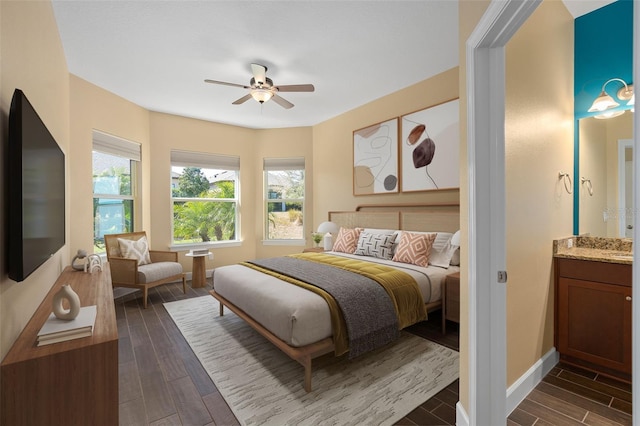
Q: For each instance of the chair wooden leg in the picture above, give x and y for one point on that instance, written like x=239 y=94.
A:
x=145 y=292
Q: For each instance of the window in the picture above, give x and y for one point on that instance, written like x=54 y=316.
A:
x=204 y=194
x=115 y=162
x=284 y=198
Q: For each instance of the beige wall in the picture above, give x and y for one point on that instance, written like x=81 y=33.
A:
x=93 y=108
x=333 y=147
x=33 y=61
x=539 y=143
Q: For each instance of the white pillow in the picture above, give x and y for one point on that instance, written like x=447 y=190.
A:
x=138 y=250
x=442 y=250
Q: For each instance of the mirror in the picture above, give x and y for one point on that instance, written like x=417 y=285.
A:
x=604 y=186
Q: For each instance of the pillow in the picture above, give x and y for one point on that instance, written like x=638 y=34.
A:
x=375 y=245
x=443 y=250
x=138 y=250
x=414 y=248
x=347 y=240
x=455 y=259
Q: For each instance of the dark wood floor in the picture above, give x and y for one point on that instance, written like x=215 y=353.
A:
x=163 y=383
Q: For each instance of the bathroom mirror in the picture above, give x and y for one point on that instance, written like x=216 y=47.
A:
x=604 y=186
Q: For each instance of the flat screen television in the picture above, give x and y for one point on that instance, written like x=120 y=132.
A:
x=35 y=208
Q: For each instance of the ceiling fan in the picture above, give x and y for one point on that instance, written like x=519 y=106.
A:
x=261 y=88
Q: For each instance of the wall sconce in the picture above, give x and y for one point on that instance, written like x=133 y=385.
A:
x=604 y=103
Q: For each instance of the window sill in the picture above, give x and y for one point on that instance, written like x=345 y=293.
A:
x=217 y=244
x=300 y=243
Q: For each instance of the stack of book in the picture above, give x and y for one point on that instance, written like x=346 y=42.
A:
x=56 y=330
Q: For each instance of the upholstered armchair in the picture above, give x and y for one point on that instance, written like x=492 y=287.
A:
x=133 y=265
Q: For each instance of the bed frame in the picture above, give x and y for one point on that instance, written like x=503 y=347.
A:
x=407 y=217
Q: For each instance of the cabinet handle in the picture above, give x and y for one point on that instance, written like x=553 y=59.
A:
x=628 y=298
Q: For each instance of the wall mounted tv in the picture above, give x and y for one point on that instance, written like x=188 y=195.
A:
x=36 y=191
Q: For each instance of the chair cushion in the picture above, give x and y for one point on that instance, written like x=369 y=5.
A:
x=135 y=249
x=158 y=271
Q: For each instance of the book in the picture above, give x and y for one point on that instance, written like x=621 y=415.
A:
x=57 y=330
x=85 y=333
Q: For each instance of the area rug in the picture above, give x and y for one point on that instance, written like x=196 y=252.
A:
x=263 y=386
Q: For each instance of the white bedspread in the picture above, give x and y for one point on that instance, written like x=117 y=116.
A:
x=297 y=316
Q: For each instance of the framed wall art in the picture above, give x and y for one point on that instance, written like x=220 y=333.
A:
x=430 y=148
x=375 y=159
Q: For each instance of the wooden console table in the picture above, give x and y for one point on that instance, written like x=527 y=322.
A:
x=68 y=383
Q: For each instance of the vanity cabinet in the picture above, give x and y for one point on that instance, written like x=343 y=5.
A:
x=593 y=315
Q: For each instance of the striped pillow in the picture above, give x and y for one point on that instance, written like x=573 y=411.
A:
x=414 y=248
x=347 y=240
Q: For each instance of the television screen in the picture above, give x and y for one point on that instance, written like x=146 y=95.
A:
x=36 y=191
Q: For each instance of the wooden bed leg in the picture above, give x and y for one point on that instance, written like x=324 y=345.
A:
x=221 y=309
x=307 y=373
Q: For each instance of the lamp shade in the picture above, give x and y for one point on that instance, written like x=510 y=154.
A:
x=261 y=95
x=328 y=227
x=603 y=103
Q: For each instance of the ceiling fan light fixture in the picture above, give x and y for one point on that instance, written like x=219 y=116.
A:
x=261 y=95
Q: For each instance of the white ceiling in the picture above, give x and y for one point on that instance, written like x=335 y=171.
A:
x=158 y=53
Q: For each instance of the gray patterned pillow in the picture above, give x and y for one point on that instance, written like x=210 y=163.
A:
x=375 y=245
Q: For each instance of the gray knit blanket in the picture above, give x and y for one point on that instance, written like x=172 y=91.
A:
x=368 y=311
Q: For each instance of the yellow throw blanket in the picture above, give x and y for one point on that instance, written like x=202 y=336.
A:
x=400 y=286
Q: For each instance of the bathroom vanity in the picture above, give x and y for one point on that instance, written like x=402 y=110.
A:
x=593 y=305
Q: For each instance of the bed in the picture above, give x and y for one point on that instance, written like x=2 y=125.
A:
x=302 y=323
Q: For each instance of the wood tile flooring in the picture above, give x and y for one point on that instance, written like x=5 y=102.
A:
x=163 y=383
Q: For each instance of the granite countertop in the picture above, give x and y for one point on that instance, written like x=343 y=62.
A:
x=609 y=250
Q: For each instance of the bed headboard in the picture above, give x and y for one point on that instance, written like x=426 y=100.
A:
x=409 y=217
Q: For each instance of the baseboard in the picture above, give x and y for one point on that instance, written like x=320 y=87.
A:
x=462 y=419
x=518 y=391
x=208 y=274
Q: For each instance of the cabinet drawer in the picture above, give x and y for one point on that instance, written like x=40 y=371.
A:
x=611 y=273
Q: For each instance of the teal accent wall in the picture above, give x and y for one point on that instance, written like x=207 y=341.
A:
x=603 y=49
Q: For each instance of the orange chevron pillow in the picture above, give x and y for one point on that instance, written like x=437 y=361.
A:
x=347 y=240
x=414 y=248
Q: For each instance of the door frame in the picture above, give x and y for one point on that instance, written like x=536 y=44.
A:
x=485 y=77
x=623 y=209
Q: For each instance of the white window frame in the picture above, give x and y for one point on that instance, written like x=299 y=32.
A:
x=105 y=143
x=280 y=164
x=203 y=160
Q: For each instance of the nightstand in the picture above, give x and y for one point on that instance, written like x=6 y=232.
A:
x=450 y=300
x=313 y=250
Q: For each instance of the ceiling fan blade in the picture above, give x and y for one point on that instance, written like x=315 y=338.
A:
x=259 y=73
x=242 y=100
x=296 y=88
x=224 y=83
x=282 y=102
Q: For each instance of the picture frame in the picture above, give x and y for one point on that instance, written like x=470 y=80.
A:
x=430 y=148
x=375 y=159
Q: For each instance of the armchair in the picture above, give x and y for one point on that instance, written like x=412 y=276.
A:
x=133 y=265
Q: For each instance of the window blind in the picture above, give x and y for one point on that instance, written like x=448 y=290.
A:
x=109 y=144
x=292 y=163
x=204 y=160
